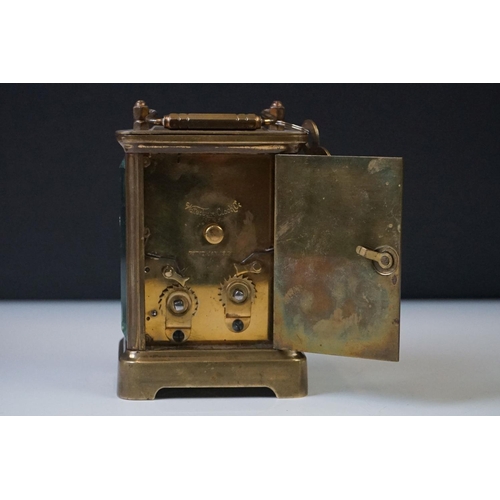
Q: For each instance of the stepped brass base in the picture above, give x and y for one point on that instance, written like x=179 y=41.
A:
x=141 y=374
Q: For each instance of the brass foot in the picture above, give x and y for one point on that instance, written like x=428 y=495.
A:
x=141 y=374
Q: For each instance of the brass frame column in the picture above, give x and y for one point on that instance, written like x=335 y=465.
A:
x=134 y=195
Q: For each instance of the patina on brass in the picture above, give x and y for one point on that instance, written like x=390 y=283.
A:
x=246 y=242
x=327 y=299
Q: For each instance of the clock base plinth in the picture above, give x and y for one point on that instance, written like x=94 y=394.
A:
x=141 y=374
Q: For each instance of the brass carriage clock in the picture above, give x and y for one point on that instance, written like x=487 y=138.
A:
x=245 y=244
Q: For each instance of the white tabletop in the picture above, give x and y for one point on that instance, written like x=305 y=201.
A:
x=60 y=358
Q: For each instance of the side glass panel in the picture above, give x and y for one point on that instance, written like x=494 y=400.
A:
x=337 y=255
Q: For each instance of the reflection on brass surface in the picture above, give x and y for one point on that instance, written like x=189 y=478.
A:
x=326 y=298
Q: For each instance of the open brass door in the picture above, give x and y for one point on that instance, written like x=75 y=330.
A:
x=337 y=255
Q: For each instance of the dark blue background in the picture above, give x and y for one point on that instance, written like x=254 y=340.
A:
x=59 y=161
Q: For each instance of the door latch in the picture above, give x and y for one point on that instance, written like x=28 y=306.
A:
x=385 y=259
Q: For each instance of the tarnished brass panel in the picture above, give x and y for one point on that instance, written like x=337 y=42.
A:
x=328 y=298
x=141 y=374
x=185 y=196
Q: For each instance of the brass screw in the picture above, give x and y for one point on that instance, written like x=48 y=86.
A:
x=238 y=325
x=384 y=260
x=178 y=336
x=168 y=272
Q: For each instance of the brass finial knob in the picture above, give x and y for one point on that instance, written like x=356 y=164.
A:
x=278 y=110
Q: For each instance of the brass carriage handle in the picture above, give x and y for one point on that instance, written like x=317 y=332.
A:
x=216 y=121
x=145 y=118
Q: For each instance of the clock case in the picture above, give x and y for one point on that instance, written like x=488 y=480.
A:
x=312 y=239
